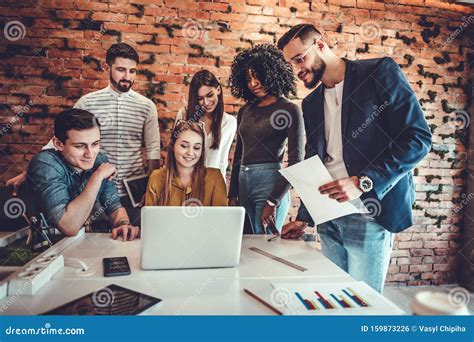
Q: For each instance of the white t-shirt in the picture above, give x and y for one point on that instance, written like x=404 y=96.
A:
x=333 y=133
x=218 y=158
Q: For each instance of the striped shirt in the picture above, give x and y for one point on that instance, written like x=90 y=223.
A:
x=128 y=121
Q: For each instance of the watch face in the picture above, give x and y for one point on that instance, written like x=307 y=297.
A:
x=365 y=184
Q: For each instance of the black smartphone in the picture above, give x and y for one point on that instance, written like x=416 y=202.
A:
x=116 y=266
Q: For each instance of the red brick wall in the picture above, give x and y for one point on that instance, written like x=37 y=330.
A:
x=59 y=59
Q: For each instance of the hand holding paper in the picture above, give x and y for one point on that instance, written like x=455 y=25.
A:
x=306 y=177
x=342 y=190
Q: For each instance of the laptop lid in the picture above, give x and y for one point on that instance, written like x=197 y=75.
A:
x=191 y=237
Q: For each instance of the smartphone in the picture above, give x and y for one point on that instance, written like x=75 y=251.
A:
x=116 y=266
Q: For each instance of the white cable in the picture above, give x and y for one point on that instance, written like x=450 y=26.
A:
x=83 y=269
x=74 y=262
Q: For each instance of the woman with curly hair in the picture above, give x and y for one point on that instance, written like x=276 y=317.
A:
x=261 y=77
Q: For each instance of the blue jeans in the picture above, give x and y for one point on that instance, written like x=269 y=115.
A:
x=256 y=183
x=360 y=246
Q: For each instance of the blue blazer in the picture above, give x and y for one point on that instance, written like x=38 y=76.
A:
x=384 y=135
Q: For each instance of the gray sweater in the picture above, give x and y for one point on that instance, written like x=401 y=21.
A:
x=262 y=133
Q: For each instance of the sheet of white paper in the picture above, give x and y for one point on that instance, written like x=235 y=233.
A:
x=351 y=298
x=306 y=177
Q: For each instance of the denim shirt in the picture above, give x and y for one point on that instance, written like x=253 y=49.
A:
x=55 y=183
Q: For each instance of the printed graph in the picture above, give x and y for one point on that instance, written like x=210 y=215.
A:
x=344 y=298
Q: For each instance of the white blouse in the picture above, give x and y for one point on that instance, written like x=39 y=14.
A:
x=218 y=158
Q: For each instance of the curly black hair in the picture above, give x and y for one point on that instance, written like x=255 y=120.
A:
x=269 y=66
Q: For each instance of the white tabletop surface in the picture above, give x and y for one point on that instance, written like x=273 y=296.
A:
x=196 y=292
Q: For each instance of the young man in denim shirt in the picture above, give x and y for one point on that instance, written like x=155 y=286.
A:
x=69 y=181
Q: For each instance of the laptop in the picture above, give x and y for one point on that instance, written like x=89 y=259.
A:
x=191 y=237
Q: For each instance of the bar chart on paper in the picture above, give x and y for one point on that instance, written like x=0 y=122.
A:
x=328 y=299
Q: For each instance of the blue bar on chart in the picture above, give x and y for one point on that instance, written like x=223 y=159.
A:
x=348 y=299
x=356 y=298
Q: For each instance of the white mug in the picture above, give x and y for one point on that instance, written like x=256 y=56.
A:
x=436 y=303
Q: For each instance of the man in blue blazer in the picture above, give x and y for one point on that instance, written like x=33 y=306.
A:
x=365 y=123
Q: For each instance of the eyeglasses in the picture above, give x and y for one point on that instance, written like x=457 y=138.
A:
x=300 y=59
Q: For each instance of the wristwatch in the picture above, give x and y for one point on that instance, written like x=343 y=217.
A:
x=365 y=184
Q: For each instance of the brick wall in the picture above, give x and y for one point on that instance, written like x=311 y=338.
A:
x=55 y=55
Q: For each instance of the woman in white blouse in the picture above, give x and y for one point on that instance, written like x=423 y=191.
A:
x=206 y=104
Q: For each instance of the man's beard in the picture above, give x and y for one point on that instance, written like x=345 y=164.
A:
x=120 y=86
x=317 y=73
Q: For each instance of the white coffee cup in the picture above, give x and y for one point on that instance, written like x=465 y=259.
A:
x=436 y=303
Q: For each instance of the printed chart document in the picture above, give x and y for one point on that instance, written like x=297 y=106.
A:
x=352 y=298
x=306 y=177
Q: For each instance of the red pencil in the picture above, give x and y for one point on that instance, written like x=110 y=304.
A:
x=278 y=312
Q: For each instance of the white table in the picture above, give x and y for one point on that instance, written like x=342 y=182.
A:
x=200 y=291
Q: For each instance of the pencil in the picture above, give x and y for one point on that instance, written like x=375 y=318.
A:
x=260 y=300
x=273 y=238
